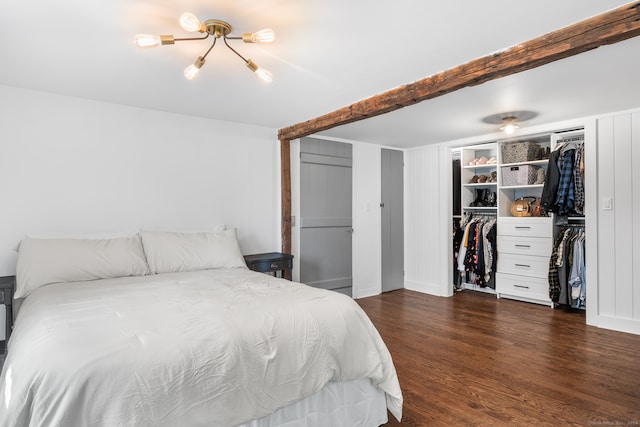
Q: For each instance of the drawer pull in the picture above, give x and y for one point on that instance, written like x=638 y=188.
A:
x=523 y=246
x=274 y=265
x=522 y=227
x=521 y=286
x=523 y=265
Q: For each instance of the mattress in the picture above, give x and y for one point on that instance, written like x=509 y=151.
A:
x=219 y=347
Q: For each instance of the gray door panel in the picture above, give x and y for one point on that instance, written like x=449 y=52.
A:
x=325 y=210
x=392 y=220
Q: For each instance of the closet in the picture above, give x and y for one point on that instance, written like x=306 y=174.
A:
x=563 y=194
x=474 y=236
x=530 y=191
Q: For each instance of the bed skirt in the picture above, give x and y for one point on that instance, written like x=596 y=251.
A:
x=349 y=403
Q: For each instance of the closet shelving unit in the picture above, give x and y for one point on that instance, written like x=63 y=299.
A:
x=470 y=189
x=510 y=193
x=524 y=244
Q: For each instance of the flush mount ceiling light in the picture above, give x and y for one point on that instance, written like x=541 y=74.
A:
x=211 y=27
x=510 y=125
x=509 y=121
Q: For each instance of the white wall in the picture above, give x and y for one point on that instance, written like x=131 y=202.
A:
x=618 y=250
x=72 y=165
x=367 y=220
x=427 y=220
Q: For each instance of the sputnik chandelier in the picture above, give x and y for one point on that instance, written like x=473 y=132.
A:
x=211 y=27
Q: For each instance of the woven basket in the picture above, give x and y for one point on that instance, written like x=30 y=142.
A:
x=516 y=152
x=519 y=175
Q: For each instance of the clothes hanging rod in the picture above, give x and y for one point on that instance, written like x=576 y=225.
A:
x=571 y=139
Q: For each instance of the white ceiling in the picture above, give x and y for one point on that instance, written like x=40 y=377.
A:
x=328 y=54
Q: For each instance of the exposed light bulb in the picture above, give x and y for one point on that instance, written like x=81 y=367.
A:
x=260 y=72
x=147 y=40
x=189 y=22
x=192 y=70
x=266 y=35
x=509 y=128
x=510 y=125
x=264 y=75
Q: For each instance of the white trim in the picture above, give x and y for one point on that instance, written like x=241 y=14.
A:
x=616 y=324
x=591 y=219
x=425 y=288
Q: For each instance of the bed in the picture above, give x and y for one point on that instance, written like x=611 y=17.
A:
x=172 y=329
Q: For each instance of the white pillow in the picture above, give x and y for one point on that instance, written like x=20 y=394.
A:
x=63 y=235
x=169 y=252
x=45 y=261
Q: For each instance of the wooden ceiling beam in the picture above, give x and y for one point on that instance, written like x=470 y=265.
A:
x=609 y=27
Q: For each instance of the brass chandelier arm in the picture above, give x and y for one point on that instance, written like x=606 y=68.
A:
x=209 y=50
x=233 y=50
x=191 y=38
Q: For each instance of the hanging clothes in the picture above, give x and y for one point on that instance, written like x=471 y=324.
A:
x=563 y=190
x=567 y=278
x=477 y=252
x=578 y=177
x=458 y=233
x=565 y=195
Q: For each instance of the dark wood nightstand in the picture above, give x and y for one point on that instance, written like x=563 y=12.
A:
x=271 y=262
x=7 y=284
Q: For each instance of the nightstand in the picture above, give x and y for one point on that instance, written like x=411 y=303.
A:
x=271 y=262
x=7 y=284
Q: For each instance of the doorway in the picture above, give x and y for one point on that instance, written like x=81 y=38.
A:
x=325 y=214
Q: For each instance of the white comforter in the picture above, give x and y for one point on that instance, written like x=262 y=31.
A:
x=215 y=347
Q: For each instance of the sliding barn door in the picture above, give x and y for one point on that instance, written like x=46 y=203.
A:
x=325 y=211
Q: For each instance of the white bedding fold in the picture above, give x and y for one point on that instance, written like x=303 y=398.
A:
x=215 y=347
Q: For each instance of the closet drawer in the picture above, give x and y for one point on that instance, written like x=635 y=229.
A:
x=522 y=286
x=524 y=265
x=537 y=246
x=533 y=227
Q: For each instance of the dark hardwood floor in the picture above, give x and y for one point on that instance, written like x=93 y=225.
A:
x=473 y=359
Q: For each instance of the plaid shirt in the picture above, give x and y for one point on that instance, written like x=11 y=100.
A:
x=566 y=186
x=554 y=279
x=579 y=184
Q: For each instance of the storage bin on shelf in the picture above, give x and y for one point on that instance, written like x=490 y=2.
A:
x=519 y=175
x=516 y=152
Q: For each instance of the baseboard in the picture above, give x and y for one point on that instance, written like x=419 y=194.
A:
x=615 y=324
x=425 y=288
x=364 y=293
